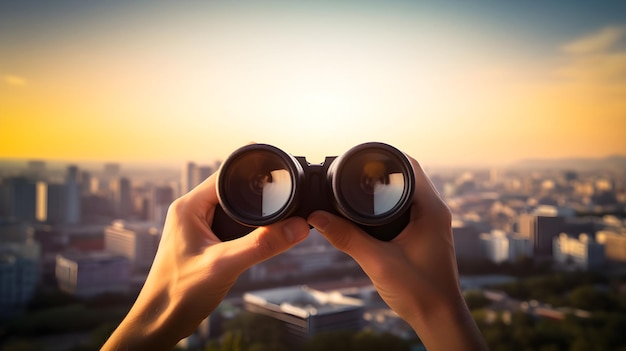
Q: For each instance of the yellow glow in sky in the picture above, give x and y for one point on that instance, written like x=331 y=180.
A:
x=176 y=92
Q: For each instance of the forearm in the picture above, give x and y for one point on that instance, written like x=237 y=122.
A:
x=447 y=325
x=142 y=330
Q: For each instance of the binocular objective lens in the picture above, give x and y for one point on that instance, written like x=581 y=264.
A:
x=382 y=189
x=372 y=184
x=258 y=184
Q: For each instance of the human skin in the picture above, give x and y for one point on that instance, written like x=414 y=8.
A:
x=415 y=273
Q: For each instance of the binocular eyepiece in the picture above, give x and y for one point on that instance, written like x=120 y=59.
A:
x=259 y=184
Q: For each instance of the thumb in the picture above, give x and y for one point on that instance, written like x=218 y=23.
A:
x=266 y=242
x=343 y=234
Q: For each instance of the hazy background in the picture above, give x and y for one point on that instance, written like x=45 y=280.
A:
x=449 y=82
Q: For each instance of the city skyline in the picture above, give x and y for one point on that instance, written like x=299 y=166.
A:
x=448 y=83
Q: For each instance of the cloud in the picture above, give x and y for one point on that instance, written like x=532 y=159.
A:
x=14 y=80
x=599 y=57
x=599 y=41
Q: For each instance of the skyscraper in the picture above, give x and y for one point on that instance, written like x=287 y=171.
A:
x=20 y=257
x=161 y=200
x=111 y=170
x=22 y=194
x=125 y=204
x=58 y=203
x=190 y=177
x=542 y=226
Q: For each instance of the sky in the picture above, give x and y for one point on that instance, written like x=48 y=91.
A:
x=448 y=82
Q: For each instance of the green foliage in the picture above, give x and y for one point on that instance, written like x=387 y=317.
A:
x=355 y=341
x=75 y=317
x=605 y=330
x=252 y=330
x=590 y=298
x=476 y=300
x=20 y=345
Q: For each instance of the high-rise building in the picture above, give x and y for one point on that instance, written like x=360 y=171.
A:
x=542 y=226
x=190 y=177
x=89 y=274
x=138 y=241
x=161 y=200
x=85 y=183
x=203 y=173
x=20 y=257
x=125 y=204
x=581 y=253
x=58 y=203
x=36 y=170
x=306 y=312
x=72 y=174
x=22 y=194
x=467 y=241
x=111 y=171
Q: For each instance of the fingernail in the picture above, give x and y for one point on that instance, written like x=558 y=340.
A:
x=319 y=221
x=295 y=232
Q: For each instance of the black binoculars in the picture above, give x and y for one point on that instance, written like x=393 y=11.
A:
x=259 y=184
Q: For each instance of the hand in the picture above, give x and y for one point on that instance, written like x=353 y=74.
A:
x=193 y=271
x=416 y=272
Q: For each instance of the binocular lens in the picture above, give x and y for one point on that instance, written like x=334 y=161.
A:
x=372 y=184
x=257 y=185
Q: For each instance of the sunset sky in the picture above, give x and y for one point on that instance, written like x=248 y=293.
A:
x=449 y=82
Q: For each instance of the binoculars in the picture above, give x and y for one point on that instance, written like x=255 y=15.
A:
x=372 y=185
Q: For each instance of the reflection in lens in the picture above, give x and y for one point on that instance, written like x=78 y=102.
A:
x=372 y=183
x=257 y=185
x=276 y=192
x=386 y=196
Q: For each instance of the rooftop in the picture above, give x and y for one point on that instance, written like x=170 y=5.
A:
x=302 y=301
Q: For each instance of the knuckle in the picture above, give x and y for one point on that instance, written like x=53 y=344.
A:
x=264 y=243
x=341 y=238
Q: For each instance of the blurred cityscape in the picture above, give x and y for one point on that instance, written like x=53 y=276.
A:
x=541 y=248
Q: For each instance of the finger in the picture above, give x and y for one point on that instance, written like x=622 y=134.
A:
x=344 y=235
x=264 y=243
x=205 y=191
x=424 y=187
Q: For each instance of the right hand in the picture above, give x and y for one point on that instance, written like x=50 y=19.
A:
x=416 y=272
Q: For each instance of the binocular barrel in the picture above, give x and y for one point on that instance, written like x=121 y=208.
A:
x=371 y=185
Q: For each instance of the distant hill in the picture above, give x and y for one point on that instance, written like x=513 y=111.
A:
x=574 y=163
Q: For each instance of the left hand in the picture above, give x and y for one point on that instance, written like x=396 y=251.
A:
x=193 y=271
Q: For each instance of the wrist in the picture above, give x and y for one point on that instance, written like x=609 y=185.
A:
x=149 y=325
x=445 y=323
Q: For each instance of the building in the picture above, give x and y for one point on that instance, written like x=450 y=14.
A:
x=543 y=225
x=20 y=271
x=111 y=170
x=306 y=312
x=193 y=175
x=467 y=241
x=190 y=177
x=35 y=170
x=58 y=203
x=137 y=241
x=614 y=244
x=88 y=274
x=162 y=197
x=495 y=245
x=22 y=199
x=124 y=204
x=582 y=253
x=500 y=246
